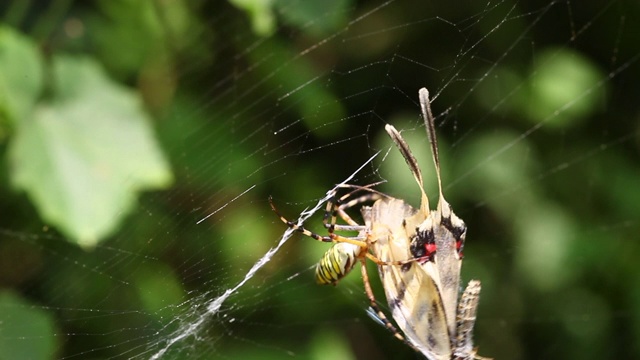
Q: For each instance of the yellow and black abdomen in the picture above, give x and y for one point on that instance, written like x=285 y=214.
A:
x=336 y=263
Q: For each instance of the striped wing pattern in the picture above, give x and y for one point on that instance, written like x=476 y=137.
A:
x=411 y=290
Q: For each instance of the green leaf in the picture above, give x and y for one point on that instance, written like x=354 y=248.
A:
x=20 y=75
x=84 y=155
x=563 y=89
x=316 y=17
x=22 y=323
x=127 y=34
x=503 y=178
x=263 y=20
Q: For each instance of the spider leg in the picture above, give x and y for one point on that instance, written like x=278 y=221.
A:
x=370 y=197
x=396 y=263
x=367 y=188
x=355 y=227
x=356 y=240
x=337 y=207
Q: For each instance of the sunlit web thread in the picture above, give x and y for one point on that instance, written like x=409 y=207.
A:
x=225 y=205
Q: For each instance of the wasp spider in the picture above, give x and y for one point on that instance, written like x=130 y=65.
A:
x=341 y=258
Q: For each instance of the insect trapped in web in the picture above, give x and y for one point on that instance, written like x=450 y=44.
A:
x=423 y=295
x=419 y=257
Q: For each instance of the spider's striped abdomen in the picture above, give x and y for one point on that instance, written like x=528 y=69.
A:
x=336 y=263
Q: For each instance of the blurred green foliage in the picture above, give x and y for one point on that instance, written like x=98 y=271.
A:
x=124 y=123
x=72 y=152
x=21 y=320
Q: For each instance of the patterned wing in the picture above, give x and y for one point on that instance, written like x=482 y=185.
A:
x=466 y=319
x=440 y=236
x=446 y=232
x=411 y=290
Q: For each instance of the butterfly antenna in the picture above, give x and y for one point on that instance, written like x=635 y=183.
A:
x=411 y=161
x=429 y=123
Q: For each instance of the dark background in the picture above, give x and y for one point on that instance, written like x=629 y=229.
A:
x=536 y=105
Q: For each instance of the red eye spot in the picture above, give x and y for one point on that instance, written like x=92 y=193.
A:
x=459 y=245
x=431 y=248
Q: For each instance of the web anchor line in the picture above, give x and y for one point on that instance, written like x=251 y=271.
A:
x=214 y=305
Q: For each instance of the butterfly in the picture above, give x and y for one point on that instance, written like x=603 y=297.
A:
x=423 y=295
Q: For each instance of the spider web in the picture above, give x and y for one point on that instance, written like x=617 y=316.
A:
x=537 y=120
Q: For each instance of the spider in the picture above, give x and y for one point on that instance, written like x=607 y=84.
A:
x=341 y=258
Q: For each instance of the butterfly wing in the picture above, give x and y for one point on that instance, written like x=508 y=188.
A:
x=466 y=319
x=411 y=289
x=448 y=233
